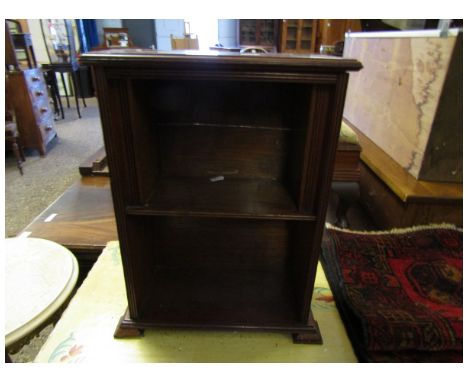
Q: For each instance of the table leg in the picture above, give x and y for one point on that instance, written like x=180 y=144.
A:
x=81 y=90
x=57 y=92
x=75 y=88
x=65 y=88
x=52 y=84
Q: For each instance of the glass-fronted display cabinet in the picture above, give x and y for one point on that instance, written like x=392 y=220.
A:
x=59 y=40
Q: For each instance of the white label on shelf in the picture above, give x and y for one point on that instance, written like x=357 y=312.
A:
x=217 y=178
x=50 y=218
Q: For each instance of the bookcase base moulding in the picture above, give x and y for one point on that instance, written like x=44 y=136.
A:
x=220 y=167
x=301 y=334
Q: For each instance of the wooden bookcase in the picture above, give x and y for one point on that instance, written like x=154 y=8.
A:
x=220 y=170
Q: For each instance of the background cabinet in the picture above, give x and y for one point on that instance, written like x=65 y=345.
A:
x=221 y=169
x=298 y=36
x=306 y=36
x=258 y=33
x=35 y=119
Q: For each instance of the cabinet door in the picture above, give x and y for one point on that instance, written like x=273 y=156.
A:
x=258 y=32
x=247 y=32
x=298 y=36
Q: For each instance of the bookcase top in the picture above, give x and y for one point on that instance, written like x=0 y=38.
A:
x=210 y=57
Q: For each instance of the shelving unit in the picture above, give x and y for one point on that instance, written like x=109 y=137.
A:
x=220 y=167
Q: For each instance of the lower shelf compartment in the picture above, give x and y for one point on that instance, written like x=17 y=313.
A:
x=211 y=297
x=220 y=273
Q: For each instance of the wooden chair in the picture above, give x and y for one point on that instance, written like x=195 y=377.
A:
x=186 y=42
x=12 y=136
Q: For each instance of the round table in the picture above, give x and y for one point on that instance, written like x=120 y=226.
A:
x=39 y=277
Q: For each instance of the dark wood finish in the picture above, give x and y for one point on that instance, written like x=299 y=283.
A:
x=123 y=331
x=255 y=199
x=95 y=164
x=34 y=116
x=240 y=252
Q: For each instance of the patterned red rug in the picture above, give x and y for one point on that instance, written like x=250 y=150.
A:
x=400 y=293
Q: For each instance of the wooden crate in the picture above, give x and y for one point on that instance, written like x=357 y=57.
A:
x=408 y=99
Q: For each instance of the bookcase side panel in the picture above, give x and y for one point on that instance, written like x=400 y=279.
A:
x=117 y=126
x=322 y=139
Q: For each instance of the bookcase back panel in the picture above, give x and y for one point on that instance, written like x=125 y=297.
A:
x=233 y=152
x=212 y=129
x=238 y=103
x=248 y=263
x=186 y=242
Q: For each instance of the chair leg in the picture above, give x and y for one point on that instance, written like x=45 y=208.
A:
x=16 y=152
x=20 y=149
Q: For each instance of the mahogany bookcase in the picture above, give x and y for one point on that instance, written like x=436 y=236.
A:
x=220 y=167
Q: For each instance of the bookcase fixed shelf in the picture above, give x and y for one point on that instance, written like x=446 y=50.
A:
x=220 y=169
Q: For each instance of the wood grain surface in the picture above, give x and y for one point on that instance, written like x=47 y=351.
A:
x=395 y=99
